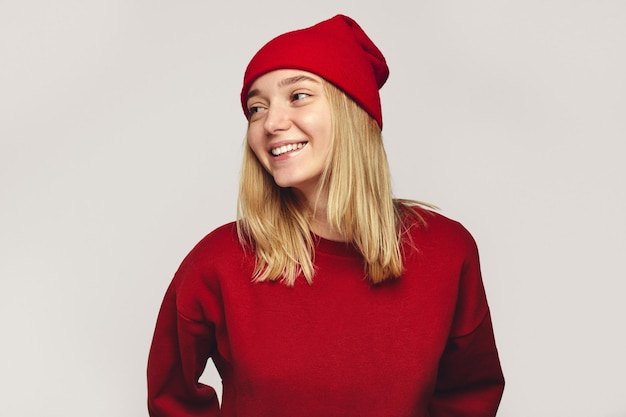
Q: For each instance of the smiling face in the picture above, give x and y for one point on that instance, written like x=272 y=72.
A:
x=289 y=128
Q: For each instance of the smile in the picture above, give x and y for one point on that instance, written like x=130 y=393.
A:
x=281 y=150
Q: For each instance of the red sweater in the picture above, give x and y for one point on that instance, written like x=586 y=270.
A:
x=417 y=346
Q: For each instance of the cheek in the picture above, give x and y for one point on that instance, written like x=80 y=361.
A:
x=320 y=125
x=323 y=133
x=255 y=143
x=257 y=148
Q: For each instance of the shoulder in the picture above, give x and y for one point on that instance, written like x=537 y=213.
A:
x=451 y=229
x=219 y=247
x=218 y=256
x=442 y=252
x=424 y=223
x=431 y=235
x=220 y=239
x=197 y=281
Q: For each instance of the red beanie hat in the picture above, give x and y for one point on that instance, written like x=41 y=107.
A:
x=337 y=50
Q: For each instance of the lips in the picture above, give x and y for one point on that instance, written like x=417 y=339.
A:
x=283 y=149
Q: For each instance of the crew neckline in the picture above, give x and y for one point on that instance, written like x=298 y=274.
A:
x=335 y=247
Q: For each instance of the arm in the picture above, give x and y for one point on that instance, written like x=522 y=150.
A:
x=179 y=352
x=469 y=381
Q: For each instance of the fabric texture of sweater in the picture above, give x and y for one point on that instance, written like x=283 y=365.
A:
x=420 y=345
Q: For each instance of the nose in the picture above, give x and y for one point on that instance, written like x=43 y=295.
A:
x=277 y=119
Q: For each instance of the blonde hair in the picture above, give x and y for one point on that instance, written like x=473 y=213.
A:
x=273 y=222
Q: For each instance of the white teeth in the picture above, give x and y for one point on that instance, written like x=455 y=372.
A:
x=287 y=148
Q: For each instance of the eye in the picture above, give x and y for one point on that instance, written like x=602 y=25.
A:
x=252 y=110
x=299 y=96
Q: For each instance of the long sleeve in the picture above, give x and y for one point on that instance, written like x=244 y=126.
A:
x=179 y=352
x=470 y=382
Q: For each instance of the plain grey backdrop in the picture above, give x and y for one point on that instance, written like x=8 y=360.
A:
x=120 y=145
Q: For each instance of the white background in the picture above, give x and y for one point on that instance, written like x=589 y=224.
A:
x=120 y=145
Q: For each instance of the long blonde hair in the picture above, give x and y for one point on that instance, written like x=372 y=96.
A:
x=273 y=222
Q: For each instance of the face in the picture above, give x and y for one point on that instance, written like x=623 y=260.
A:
x=289 y=128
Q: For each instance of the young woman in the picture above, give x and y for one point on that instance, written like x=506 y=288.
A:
x=327 y=297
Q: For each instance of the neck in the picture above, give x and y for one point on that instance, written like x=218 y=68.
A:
x=321 y=227
x=317 y=206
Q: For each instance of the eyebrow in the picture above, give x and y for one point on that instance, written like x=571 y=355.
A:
x=297 y=78
x=285 y=82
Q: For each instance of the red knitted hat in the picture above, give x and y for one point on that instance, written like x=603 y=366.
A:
x=337 y=50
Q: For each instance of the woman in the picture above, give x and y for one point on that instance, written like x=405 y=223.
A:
x=327 y=297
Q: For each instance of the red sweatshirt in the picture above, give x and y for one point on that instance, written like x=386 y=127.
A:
x=417 y=346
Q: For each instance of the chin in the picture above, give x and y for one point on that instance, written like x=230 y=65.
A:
x=285 y=184
x=285 y=181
